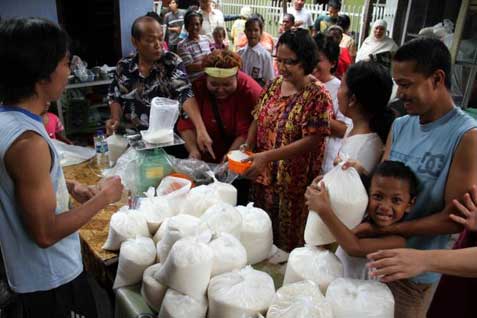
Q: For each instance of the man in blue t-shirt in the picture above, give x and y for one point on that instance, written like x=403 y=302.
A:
x=438 y=141
x=38 y=232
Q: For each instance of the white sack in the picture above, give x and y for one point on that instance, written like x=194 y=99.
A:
x=151 y=290
x=313 y=263
x=178 y=227
x=229 y=253
x=125 y=224
x=134 y=257
x=360 y=299
x=222 y=217
x=348 y=199
x=187 y=268
x=256 y=233
x=226 y=192
x=161 y=231
x=299 y=300
x=177 y=305
x=199 y=199
x=239 y=294
x=174 y=190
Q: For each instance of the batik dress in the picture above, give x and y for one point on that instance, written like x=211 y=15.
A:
x=282 y=120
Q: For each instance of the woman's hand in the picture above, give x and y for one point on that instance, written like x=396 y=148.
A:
x=259 y=163
x=195 y=154
x=81 y=192
x=318 y=199
x=316 y=181
x=355 y=164
x=395 y=264
x=468 y=218
x=205 y=142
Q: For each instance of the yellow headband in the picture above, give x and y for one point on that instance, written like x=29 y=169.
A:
x=221 y=72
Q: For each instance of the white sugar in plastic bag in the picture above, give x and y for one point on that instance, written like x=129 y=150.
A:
x=155 y=210
x=256 y=233
x=151 y=290
x=242 y=293
x=199 y=199
x=178 y=305
x=313 y=263
x=348 y=199
x=222 y=217
x=187 y=268
x=299 y=300
x=360 y=299
x=229 y=253
x=174 y=190
x=125 y=224
x=160 y=233
x=177 y=227
x=226 y=192
x=134 y=257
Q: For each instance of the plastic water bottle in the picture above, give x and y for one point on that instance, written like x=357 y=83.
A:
x=102 y=153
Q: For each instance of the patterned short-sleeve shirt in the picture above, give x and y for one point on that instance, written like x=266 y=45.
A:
x=134 y=92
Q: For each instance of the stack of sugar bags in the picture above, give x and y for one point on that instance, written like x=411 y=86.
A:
x=135 y=256
x=151 y=290
x=178 y=305
x=348 y=199
x=199 y=199
x=256 y=233
x=313 y=263
x=300 y=300
x=125 y=224
x=241 y=293
x=360 y=299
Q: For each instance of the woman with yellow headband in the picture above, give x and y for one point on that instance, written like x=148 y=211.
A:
x=226 y=97
x=291 y=121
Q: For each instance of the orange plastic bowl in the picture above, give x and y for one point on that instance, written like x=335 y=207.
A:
x=237 y=166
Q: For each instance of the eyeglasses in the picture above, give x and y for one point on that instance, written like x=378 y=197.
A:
x=286 y=61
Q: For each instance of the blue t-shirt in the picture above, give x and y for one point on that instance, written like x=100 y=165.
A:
x=428 y=150
x=29 y=267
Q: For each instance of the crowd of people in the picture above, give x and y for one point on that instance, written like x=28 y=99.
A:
x=301 y=105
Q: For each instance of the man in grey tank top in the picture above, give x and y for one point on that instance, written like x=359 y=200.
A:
x=438 y=141
x=38 y=232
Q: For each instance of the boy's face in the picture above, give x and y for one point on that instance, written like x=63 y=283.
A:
x=173 y=5
x=253 y=33
x=389 y=199
x=218 y=37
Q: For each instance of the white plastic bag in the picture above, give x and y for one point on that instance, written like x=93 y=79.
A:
x=348 y=199
x=71 y=154
x=199 y=199
x=135 y=256
x=229 y=253
x=256 y=233
x=178 y=227
x=187 y=268
x=154 y=209
x=163 y=116
x=237 y=294
x=177 y=305
x=151 y=290
x=161 y=231
x=226 y=192
x=116 y=146
x=313 y=263
x=125 y=224
x=222 y=217
x=174 y=190
x=360 y=299
x=300 y=300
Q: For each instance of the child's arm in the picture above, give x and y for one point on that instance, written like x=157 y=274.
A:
x=318 y=200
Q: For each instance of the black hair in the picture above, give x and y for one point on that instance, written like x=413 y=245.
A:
x=291 y=16
x=254 y=19
x=335 y=4
x=336 y=28
x=429 y=55
x=258 y=15
x=154 y=15
x=328 y=46
x=189 y=15
x=343 y=21
x=303 y=45
x=136 y=30
x=30 y=50
x=400 y=171
x=219 y=29
x=371 y=85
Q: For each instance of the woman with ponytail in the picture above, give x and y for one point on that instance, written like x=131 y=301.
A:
x=363 y=96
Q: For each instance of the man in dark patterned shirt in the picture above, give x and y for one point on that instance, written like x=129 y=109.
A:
x=148 y=73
